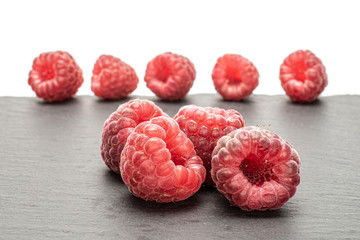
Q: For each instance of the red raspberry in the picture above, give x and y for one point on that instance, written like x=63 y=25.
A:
x=204 y=126
x=55 y=76
x=303 y=76
x=234 y=77
x=170 y=76
x=120 y=124
x=159 y=162
x=255 y=169
x=112 y=78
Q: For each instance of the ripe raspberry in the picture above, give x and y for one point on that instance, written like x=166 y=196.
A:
x=234 y=77
x=204 y=126
x=55 y=76
x=159 y=162
x=303 y=76
x=255 y=169
x=112 y=78
x=120 y=124
x=170 y=76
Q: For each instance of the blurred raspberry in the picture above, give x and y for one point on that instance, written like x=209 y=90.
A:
x=234 y=77
x=55 y=76
x=112 y=78
x=255 y=169
x=303 y=76
x=170 y=76
x=204 y=126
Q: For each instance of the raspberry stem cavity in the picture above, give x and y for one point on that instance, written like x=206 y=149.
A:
x=257 y=171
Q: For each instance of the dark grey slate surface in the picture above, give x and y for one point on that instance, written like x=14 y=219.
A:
x=53 y=182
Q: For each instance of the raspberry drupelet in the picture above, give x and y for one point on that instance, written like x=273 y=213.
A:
x=204 y=126
x=120 y=124
x=159 y=162
x=55 y=76
x=303 y=76
x=234 y=77
x=170 y=76
x=255 y=169
x=113 y=78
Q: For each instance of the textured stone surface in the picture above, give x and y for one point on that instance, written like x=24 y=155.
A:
x=53 y=182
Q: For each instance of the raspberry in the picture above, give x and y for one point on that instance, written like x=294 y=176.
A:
x=170 y=76
x=234 y=77
x=303 y=76
x=55 y=76
x=159 y=162
x=255 y=169
x=112 y=78
x=120 y=124
x=204 y=126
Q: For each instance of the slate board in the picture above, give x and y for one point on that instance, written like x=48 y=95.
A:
x=54 y=184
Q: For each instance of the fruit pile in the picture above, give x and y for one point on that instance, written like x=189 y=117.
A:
x=55 y=76
x=166 y=160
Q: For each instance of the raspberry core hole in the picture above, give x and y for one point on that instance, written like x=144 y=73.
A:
x=233 y=75
x=163 y=72
x=257 y=171
x=47 y=73
x=299 y=70
x=177 y=159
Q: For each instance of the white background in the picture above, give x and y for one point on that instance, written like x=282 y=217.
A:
x=265 y=32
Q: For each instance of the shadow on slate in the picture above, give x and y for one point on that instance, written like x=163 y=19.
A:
x=54 y=184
